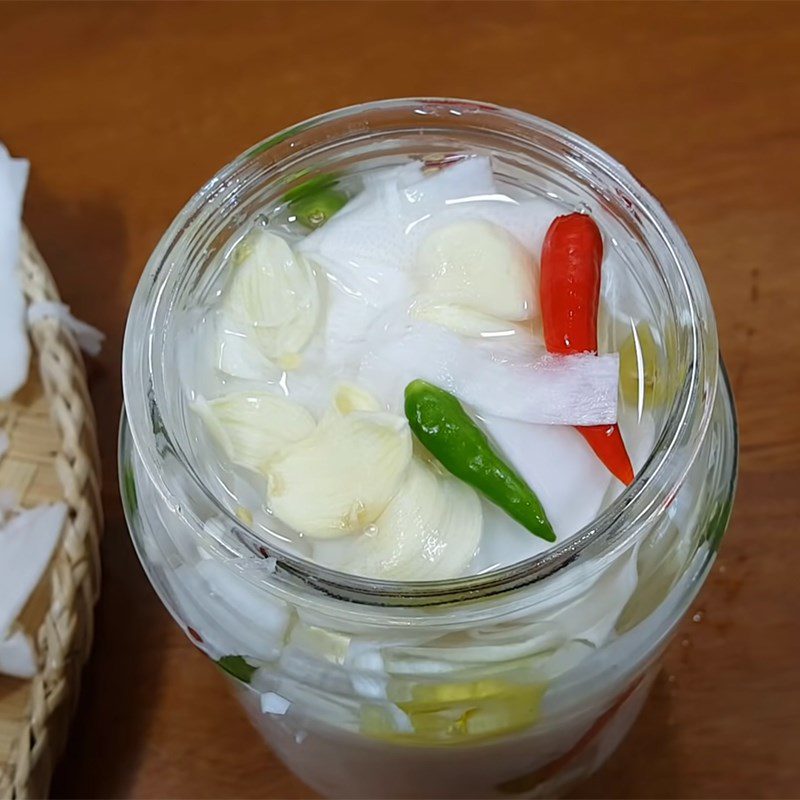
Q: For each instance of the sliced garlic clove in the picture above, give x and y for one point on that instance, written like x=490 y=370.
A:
x=339 y=479
x=347 y=397
x=478 y=265
x=252 y=427
x=466 y=321
x=429 y=531
x=237 y=352
x=273 y=292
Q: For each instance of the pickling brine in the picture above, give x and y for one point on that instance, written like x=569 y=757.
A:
x=297 y=363
x=433 y=449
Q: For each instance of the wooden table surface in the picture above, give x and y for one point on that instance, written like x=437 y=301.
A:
x=124 y=110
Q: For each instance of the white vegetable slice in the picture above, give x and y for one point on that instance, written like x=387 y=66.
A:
x=429 y=531
x=272 y=703
x=585 y=613
x=367 y=232
x=465 y=182
x=527 y=221
x=244 y=622
x=379 y=228
x=364 y=255
x=251 y=427
x=556 y=462
x=17 y=655
x=265 y=612
x=340 y=478
x=480 y=266
x=496 y=378
x=274 y=293
x=367 y=250
x=14 y=346
x=27 y=543
x=592 y=617
x=320 y=642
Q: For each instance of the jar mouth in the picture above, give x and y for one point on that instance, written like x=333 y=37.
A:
x=146 y=379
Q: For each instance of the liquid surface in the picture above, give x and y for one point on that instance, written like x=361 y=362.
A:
x=294 y=370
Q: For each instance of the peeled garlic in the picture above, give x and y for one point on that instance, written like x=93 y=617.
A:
x=340 y=478
x=429 y=531
x=347 y=397
x=466 y=321
x=477 y=265
x=237 y=353
x=273 y=293
x=251 y=427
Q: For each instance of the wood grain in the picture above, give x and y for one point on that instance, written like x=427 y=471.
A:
x=124 y=110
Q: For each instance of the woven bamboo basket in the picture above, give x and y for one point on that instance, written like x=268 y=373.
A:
x=52 y=456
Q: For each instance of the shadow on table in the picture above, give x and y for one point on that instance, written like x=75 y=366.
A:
x=649 y=740
x=84 y=242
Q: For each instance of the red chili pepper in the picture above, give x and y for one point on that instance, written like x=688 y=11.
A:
x=195 y=635
x=569 y=287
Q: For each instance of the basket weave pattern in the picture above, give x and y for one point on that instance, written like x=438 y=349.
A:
x=52 y=456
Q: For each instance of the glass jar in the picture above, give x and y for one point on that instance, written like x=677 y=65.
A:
x=513 y=683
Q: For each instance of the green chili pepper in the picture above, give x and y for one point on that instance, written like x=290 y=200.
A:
x=315 y=201
x=276 y=139
x=440 y=422
x=317 y=209
x=238 y=667
x=308 y=187
x=129 y=489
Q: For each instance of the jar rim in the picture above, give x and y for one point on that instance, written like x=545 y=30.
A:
x=614 y=527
